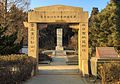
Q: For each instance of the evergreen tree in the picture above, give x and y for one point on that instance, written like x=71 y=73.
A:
x=16 y=17
x=105 y=30
x=94 y=12
x=12 y=15
x=11 y=24
x=93 y=22
x=7 y=43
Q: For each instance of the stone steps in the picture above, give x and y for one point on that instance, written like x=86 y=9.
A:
x=58 y=70
x=58 y=66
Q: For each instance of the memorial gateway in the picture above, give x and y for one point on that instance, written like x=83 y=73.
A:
x=75 y=17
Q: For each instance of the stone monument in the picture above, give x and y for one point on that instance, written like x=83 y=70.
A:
x=59 y=39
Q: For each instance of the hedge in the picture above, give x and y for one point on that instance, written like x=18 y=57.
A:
x=14 y=69
x=109 y=72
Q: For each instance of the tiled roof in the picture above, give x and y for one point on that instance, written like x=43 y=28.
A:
x=106 y=52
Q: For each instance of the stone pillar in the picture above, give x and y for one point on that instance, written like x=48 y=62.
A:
x=33 y=40
x=79 y=50
x=59 y=39
x=33 y=48
x=83 y=48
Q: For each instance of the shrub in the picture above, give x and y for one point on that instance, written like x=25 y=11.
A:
x=109 y=73
x=14 y=69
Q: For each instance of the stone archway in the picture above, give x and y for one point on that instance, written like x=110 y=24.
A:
x=74 y=16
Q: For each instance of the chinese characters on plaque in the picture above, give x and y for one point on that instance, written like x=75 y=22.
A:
x=83 y=38
x=32 y=38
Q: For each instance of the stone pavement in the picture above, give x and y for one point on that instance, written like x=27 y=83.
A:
x=57 y=73
x=57 y=79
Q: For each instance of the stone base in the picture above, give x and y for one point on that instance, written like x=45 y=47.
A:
x=83 y=67
x=60 y=53
x=59 y=48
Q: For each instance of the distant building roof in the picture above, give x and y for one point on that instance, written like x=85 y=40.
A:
x=106 y=52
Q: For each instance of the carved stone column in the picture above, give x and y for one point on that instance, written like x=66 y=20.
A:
x=33 y=40
x=83 y=48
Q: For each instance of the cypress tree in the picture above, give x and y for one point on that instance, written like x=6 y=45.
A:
x=93 y=22
x=105 y=30
x=7 y=43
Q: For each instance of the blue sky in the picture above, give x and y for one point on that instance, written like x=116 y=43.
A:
x=87 y=5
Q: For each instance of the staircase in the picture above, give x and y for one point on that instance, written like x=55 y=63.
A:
x=58 y=66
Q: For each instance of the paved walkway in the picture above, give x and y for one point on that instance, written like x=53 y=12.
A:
x=57 y=73
x=57 y=79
